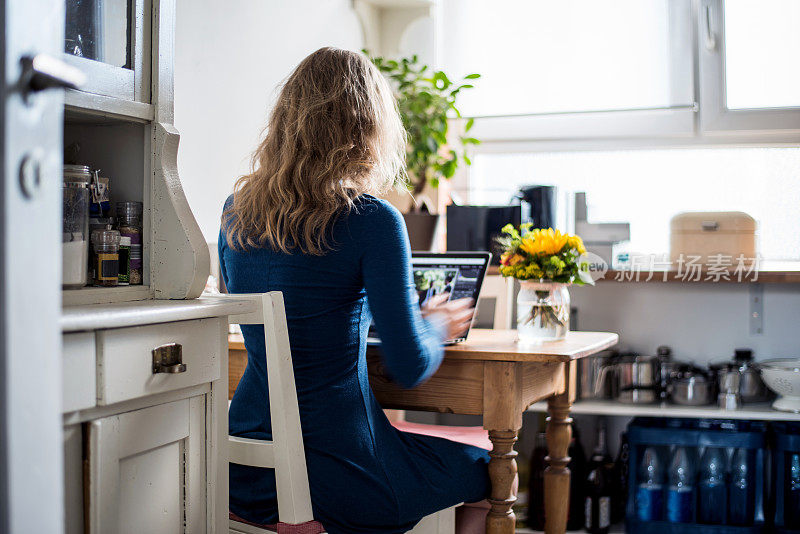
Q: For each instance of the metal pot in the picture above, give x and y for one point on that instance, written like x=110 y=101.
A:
x=691 y=389
x=589 y=371
x=633 y=378
x=751 y=386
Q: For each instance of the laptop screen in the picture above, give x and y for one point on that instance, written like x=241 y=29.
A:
x=458 y=274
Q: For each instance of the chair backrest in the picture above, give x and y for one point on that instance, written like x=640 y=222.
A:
x=285 y=453
x=502 y=290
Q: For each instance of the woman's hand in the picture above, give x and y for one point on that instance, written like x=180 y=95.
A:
x=456 y=315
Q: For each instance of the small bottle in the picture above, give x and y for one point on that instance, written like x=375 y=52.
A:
x=680 y=493
x=597 y=506
x=712 y=492
x=124 y=261
x=105 y=257
x=129 y=220
x=650 y=487
x=741 y=494
x=791 y=493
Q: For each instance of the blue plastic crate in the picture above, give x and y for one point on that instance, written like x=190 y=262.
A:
x=667 y=433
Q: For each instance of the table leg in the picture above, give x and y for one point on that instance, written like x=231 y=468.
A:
x=556 y=476
x=502 y=472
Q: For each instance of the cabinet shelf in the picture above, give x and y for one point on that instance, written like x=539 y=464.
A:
x=104 y=295
x=758 y=411
x=81 y=107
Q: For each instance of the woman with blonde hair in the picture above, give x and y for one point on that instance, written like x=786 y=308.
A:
x=305 y=222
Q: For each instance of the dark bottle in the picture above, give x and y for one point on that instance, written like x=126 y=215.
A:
x=650 y=487
x=791 y=493
x=577 y=492
x=536 y=485
x=680 y=492
x=741 y=492
x=597 y=504
x=712 y=491
x=619 y=481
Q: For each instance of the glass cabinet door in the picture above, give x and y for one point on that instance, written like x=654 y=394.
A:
x=106 y=39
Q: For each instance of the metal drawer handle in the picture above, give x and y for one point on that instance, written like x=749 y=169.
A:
x=168 y=359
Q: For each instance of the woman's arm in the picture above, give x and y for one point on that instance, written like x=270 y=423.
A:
x=411 y=346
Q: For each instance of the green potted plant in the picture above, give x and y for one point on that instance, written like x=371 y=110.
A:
x=426 y=99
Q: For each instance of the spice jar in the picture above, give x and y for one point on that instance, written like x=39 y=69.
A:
x=75 y=236
x=129 y=221
x=124 y=261
x=105 y=257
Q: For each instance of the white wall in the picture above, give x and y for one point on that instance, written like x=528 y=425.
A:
x=701 y=322
x=230 y=58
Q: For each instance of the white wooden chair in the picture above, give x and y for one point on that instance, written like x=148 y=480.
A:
x=285 y=453
x=502 y=290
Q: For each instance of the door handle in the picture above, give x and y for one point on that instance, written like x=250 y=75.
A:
x=41 y=72
x=168 y=359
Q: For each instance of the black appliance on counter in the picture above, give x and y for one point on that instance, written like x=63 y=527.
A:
x=477 y=227
x=538 y=205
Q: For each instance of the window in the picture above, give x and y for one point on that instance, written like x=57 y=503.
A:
x=648 y=187
x=684 y=71
x=762 y=48
x=748 y=78
x=562 y=56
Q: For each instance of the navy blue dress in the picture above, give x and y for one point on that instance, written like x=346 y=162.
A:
x=365 y=476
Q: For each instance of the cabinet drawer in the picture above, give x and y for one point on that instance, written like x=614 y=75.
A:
x=78 y=373
x=125 y=358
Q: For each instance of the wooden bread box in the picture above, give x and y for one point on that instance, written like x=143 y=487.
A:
x=711 y=233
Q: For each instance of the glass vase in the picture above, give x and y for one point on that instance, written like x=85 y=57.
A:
x=542 y=311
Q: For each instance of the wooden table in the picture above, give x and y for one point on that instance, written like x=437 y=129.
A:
x=493 y=376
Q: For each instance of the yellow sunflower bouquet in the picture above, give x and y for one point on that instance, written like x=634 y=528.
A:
x=543 y=254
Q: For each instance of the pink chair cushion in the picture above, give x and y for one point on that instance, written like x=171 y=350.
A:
x=469 y=435
x=310 y=527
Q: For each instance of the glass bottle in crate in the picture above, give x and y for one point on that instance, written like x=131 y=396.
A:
x=741 y=491
x=712 y=494
x=791 y=492
x=680 y=493
x=649 y=497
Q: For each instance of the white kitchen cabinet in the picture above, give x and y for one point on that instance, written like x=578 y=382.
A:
x=146 y=470
x=148 y=451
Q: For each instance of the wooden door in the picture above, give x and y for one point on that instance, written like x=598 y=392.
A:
x=147 y=470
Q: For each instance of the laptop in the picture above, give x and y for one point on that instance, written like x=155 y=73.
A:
x=459 y=274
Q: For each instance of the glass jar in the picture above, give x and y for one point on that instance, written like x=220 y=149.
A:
x=105 y=257
x=542 y=311
x=124 y=261
x=129 y=221
x=75 y=236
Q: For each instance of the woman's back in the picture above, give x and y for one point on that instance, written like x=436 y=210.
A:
x=303 y=223
x=364 y=475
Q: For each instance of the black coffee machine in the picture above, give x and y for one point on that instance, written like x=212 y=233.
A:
x=538 y=205
x=477 y=227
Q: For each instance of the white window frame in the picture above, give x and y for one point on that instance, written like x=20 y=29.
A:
x=704 y=122
x=715 y=117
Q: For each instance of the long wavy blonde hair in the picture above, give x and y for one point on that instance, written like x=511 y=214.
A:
x=334 y=134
